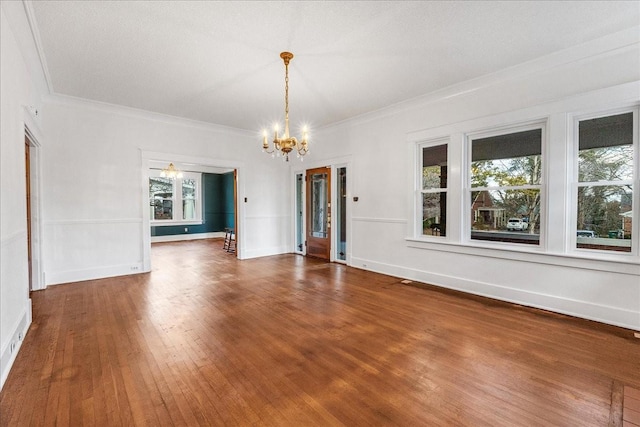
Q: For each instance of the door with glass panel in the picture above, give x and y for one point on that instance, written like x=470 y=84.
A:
x=340 y=214
x=319 y=212
x=299 y=212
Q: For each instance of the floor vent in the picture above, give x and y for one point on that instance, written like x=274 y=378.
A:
x=406 y=282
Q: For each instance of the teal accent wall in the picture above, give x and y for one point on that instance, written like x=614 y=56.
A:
x=219 y=209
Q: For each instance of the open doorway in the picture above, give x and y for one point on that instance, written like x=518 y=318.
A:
x=320 y=215
x=32 y=201
x=202 y=203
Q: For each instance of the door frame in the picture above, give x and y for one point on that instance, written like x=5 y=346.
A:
x=33 y=134
x=334 y=163
x=150 y=156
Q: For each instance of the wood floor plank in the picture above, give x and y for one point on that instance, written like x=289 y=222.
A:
x=205 y=339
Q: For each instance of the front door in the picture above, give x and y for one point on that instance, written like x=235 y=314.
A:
x=319 y=212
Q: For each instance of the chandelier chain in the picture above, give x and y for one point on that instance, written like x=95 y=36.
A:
x=286 y=95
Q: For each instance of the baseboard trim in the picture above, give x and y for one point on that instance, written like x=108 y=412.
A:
x=256 y=253
x=11 y=348
x=181 y=237
x=59 y=277
x=585 y=310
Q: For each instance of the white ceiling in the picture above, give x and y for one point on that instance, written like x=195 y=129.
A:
x=219 y=62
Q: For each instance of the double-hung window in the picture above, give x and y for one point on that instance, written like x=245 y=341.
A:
x=505 y=182
x=175 y=200
x=433 y=188
x=604 y=191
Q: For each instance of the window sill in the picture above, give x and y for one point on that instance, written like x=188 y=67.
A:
x=162 y=223
x=615 y=263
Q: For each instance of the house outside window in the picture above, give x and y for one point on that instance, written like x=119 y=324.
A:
x=433 y=189
x=175 y=201
x=604 y=190
x=505 y=181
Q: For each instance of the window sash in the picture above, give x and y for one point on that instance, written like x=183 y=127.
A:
x=532 y=140
x=178 y=200
x=439 y=151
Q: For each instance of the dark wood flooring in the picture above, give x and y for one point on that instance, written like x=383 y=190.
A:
x=205 y=339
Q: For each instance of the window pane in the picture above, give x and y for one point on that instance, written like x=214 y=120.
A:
x=434 y=167
x=341 y=214
x=507 y=160
x=299 y=201
x=189 y=199
x=506 y=216
x=434 y=214
x=606 y=150
x=606 y=164
x=604 y=218
x=188 y=188
x=161 y=198
x=507 y=172
x=189 y=209
x=319 y=205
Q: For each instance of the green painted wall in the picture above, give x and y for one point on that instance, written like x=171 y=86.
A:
x=219 y=209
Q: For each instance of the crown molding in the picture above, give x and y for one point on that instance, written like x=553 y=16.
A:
x=37 y=40
x=22 y=26
x=108 y=108
x=621 y=41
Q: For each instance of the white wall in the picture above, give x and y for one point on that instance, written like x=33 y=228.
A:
x=94 y=185
x=596 y=76
x=19 y=89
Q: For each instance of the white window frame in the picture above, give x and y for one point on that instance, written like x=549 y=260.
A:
x=177 y=200
x=575 y=184
x=419 y=190
x=468 y=190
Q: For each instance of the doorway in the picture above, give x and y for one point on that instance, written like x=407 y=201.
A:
x=221 y=202
x=318 y=231
x=32 y=203
x=27 y=162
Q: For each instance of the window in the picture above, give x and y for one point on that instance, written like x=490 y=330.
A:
x=433 y=189
x=505 y=183
x=605 y=173
x=175 y=200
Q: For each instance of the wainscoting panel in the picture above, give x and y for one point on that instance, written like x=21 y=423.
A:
x=88 y=249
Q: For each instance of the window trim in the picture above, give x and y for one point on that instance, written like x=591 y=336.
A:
x=558 y=168
x=573 y=121
x=419 y=190
x=467 y=189
x=177 y=200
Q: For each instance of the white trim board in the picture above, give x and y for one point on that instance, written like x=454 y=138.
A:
x=183 y=237
x=581 y=309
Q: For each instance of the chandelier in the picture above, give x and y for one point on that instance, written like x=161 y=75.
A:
x=286 y=144
x=171 y=172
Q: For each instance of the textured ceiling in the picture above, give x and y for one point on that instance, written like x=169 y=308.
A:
x=219 y=62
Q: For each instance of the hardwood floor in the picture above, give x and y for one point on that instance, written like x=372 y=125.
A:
x=205 y=339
